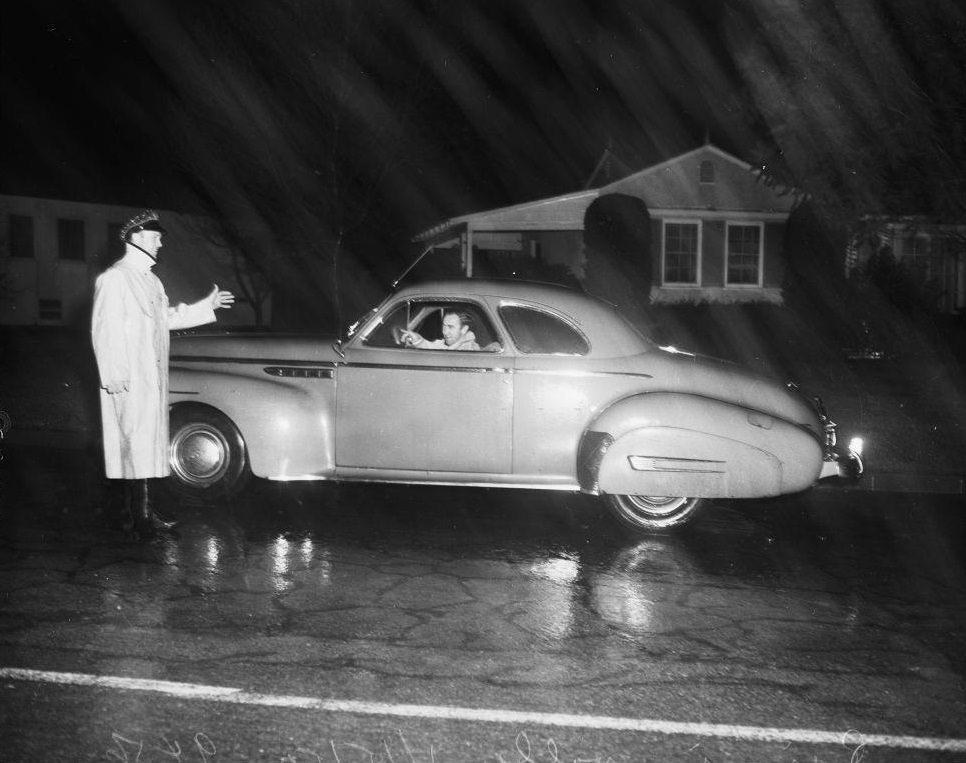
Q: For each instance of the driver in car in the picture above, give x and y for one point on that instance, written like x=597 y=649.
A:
x=457 y=335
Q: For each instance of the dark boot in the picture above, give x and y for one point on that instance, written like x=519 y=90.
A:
x=147 y=520
x=127 y=508
x=159 y=520
x=120 y=502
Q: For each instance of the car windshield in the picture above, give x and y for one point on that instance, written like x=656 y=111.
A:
x=353 y=328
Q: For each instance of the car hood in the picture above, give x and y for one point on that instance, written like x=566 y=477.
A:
x=315 y=348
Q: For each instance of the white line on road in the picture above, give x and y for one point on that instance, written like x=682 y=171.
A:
x=484 y=715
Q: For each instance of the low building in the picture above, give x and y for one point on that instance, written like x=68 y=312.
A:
x=930 y=256
x=51 y=252
x=715 y=229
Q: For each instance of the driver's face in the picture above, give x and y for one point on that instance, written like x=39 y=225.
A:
x=453 y=329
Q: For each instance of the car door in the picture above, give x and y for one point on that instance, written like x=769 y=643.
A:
x=424 y=410
x=555 y=393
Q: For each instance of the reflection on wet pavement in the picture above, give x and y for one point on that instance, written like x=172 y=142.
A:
x=387 y=588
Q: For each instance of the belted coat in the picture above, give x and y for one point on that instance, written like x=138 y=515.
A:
x=130 y=328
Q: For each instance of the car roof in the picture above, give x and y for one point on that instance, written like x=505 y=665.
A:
x=534 y=291
x=608 y=332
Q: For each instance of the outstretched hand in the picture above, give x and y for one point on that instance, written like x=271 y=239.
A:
x=221 y=298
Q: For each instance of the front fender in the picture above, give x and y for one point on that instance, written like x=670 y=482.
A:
x=667 y=443
x=286 y=422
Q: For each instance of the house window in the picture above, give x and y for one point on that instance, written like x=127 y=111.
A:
x=115 y=247
x=49 y=309
x=70 y=239
x=706 y=172
x=501 y=254
x=744 y=255
x=498 y=242
x=916 y=250
x=681 y=248
x=21 y=236
x=915 y=247
x=923 y=255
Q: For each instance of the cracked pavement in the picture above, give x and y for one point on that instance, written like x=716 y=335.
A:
x=832 y=610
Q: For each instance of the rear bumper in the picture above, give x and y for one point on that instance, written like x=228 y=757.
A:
x=838 y=462
x=848 y=464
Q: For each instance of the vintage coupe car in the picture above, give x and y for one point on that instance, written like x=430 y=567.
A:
x=563 y=393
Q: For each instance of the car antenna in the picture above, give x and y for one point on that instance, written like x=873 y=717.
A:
x=415 y=262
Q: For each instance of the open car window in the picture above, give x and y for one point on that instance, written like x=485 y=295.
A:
x=382 y=333
x=425 y=317
x=538 y=332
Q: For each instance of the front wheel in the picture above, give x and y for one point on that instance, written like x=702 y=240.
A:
x=207 y=453
x=649 y=513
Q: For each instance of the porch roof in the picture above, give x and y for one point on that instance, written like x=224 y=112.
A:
x=556 y=213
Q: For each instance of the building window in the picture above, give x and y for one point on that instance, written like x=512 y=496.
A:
x=115 y=247
x=744 y=255
x=681 y=253
x=21 y=236
x=70 y=239
x=923 y=255
x=706 y=172
x=915 y=247
x=49 y=309
x=500 y=254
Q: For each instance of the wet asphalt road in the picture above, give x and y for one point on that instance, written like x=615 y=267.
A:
x=374 y=623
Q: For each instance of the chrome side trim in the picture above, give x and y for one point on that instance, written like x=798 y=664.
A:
x=585 y=374
x=566 y=487
x=672 y=464
x=300 y=372
x=275 y=363
x=250 y=361
x=453 y=369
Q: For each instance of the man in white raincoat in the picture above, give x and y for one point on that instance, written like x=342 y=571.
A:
x=129 y=328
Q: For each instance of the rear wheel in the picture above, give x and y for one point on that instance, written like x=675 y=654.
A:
x=650 y=513
x=207 y=453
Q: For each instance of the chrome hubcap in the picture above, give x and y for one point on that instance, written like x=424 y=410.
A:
x=199 y=455
x=661 y=505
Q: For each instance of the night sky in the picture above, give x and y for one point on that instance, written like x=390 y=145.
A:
x=464 y=104
x=352 y=126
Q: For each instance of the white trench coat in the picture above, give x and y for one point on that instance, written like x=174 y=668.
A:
x=129 y=329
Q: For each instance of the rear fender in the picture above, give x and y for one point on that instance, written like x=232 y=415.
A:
x=666 y=443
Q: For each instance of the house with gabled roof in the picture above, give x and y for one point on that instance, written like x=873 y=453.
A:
x=715 y=229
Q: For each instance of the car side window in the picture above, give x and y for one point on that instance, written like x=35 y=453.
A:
x=425 y=317
x=384 y=333
x=427 y=320
x=538 y=332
